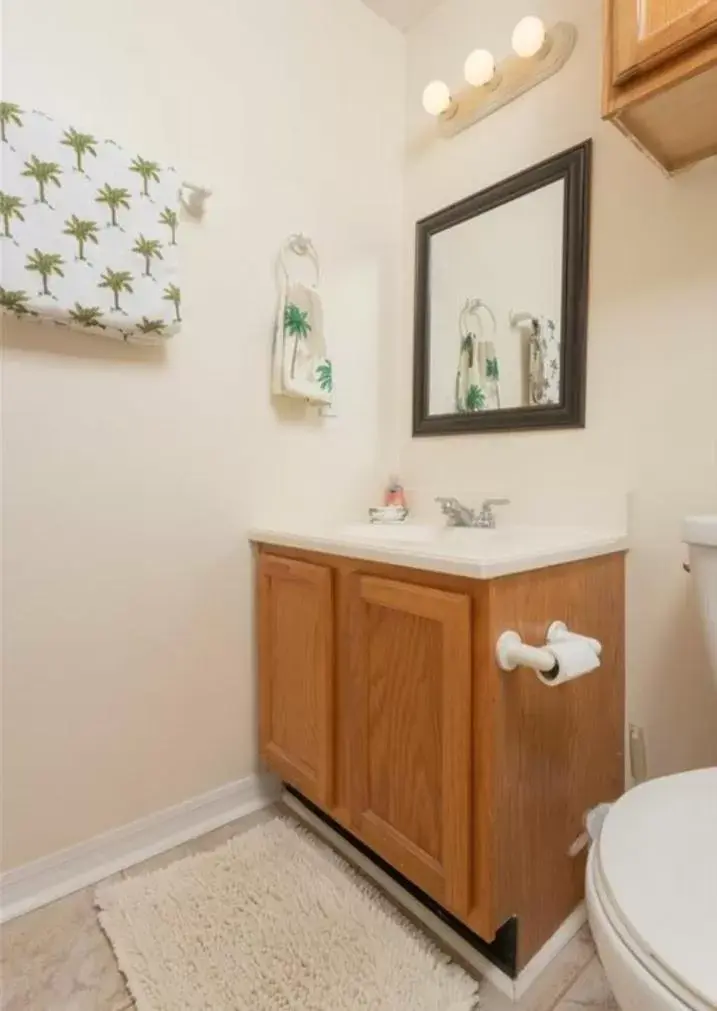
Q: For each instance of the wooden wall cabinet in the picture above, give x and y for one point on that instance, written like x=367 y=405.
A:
x=660 y=81
x=382 y=703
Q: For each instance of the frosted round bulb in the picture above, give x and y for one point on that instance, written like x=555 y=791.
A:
x=480 y=68
x=437 y=98
x=529 y=37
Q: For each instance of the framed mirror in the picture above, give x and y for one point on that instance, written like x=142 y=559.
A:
x=501 y=304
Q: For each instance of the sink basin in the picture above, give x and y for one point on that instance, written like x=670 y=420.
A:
x=389 y=533
x=415 y=533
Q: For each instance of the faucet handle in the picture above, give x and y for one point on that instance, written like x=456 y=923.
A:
x=486 y=517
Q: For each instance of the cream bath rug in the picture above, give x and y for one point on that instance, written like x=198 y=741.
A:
x=273 y=921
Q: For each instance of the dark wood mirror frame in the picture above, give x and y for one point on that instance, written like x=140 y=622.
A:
x=574 y=167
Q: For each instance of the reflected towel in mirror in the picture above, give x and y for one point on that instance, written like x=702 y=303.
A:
x=544 y=367
x=478 y=376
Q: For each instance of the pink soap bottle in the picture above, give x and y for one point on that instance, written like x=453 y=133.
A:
x=395 y=494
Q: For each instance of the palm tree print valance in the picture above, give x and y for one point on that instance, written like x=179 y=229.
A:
x=88 y=231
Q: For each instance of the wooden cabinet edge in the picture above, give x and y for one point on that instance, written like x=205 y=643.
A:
x=619 y=100
x=484 y=915
x=669 y=167
x=689 y=63
x=657 y=159
x=633 y=58
x=533 y=721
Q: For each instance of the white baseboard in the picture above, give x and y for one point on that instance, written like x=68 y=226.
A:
x=52 y=877
x=452 y=941
x=550 y=950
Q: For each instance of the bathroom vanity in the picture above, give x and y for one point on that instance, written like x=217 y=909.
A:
x=383 y=705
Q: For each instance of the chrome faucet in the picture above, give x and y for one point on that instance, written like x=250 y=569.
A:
x=459 y=515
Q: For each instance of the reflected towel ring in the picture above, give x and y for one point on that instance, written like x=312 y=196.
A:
x=519 y=319
x=473 y=308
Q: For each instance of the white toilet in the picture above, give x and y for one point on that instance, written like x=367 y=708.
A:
x=652 y=874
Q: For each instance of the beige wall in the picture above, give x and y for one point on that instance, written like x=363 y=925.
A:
x=652 y=374
x=131 y=477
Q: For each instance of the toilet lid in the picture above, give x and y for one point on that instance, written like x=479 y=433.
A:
x=658 y=861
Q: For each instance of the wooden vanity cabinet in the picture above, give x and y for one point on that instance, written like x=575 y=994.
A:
x=296 y=647
x=382 y=703
x=409 y=724
x=660 y=77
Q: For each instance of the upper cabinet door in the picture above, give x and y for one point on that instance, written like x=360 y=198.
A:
x=647 y=33
x=296 y=673
x=410 y=687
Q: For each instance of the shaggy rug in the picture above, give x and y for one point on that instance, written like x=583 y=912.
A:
x=273 y=921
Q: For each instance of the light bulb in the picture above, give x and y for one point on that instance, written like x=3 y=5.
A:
x=437 y=98
x=480 y=68
x=529 y=37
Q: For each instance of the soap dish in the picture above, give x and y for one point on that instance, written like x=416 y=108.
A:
x=388 y=514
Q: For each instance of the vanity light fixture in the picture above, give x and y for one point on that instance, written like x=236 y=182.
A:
x=529 y=37
x=480 y=68
x=538 y=53
x=437 y=99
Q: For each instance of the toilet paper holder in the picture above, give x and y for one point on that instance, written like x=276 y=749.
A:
x=511 y=652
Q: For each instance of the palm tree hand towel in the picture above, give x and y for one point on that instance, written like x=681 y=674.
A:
x=88 y=231
x=301 y=367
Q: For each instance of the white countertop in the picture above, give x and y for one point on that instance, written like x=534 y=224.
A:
x=481 y=554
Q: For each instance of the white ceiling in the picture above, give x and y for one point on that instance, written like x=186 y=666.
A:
x=402 y=13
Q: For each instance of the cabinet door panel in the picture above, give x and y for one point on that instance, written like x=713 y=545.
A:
x=647 y=33
x=410 y=670
x=296 y=672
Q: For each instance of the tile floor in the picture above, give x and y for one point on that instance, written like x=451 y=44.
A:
x=58 y=959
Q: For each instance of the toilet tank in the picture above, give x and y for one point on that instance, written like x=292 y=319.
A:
x=700 y=533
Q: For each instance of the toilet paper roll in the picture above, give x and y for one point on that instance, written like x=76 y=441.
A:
x=573 y=658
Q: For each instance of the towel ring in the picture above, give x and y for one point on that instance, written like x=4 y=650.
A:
x=193 y=198
x=300 y=245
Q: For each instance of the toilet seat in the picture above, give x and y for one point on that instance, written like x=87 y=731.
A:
x=654 y=870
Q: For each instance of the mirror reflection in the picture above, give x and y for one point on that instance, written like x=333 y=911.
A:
x=501 y=304
x=494 y=322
